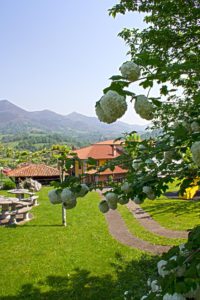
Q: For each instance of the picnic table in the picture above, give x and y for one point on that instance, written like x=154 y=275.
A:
x=20 y=194
x=12 y=209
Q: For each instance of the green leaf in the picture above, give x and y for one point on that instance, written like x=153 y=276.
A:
x=156 y=102
x=91 y=161
x=116 y=77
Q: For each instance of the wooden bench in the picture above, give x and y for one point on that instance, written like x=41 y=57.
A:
x=23 y=213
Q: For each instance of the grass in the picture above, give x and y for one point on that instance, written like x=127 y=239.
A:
x=142 y=233
x=44 y=260
x=174 y=213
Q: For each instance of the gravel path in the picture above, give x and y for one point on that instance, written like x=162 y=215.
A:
x=151 y=225
x=120 y=232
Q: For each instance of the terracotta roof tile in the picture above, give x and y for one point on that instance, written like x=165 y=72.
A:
x=34 y=170
x=117 y=170
x=99 y=151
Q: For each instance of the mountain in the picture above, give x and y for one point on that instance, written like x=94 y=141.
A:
x=15 y=120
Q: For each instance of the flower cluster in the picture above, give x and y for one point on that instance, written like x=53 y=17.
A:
x=130 y=71
x=195 y=126
x=143 y=107
x=67 y=197
x=195 y=149
x=149 y=192
x=111 y=107
x=109 y=203
x=178 y=272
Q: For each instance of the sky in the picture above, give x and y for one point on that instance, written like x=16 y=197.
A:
x=59 y=54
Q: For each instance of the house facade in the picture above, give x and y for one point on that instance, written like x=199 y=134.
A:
x=102 y=152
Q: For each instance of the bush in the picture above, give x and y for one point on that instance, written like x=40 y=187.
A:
x=8 y=184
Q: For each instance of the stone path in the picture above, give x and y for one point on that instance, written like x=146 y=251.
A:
x=146 y=221
x=121 y=233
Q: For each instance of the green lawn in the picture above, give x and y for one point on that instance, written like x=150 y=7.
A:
x=44 y=260
x=138 y=230
x=174 y=214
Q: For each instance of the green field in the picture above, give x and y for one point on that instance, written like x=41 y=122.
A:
x=44 y=260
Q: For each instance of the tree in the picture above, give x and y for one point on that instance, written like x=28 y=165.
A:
x=166 y=53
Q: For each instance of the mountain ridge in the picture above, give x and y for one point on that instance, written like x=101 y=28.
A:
x=14 y=119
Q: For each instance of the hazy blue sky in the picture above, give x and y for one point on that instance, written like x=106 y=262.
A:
x=59 y=54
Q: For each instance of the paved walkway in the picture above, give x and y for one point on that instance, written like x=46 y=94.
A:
x=120 y=232
x=146 y=221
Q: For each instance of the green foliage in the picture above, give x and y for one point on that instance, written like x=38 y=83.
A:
x=167 y=53
x=8 y=184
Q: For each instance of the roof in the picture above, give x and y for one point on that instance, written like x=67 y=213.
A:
x=110 y=142
x=102 y=150
x=117 y=170
x=34 y=170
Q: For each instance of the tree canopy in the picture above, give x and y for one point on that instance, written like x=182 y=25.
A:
x=165 y=54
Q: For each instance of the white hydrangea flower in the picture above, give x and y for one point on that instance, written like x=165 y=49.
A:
x=183 y=251
x=67 y=196
x=173 y=258
x=155 y=287
x=141 y=147
x=111 y=107
x=123 y=200
x=54 y=197
x=151 y=196
x=137 y=200
x=103 y=206
x=149 y=282
x=143 y=297
x=111 y=197
x=136 y=164
x=126 y=187
x=147 y=189
x=195 y=149
x=161 y=268
x=84 y=190
x=175 y=296
x=70 y=204
x=143 y=107
x=130 y=71
x=102 y=116
x=195 y=126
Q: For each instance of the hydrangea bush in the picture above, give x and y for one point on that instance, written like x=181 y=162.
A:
x=167 y=54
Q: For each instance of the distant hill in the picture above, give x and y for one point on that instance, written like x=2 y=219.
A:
x=14 y=118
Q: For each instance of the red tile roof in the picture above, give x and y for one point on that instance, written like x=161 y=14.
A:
x=110 y=142
x=102 y=150
x=117 y=170
x=34 y=170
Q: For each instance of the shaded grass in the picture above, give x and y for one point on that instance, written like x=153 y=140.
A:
x=174 y=213
x=44 y=260
x=139 y=231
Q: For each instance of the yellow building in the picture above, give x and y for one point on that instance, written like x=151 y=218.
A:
x=102 y=152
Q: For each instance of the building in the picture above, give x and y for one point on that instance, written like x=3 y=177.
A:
x=40 y=172
x=102 y=152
